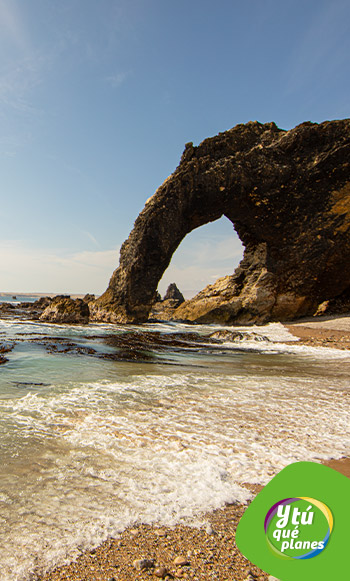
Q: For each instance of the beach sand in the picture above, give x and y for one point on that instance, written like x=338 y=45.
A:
x=210 y=550
x=324 y=331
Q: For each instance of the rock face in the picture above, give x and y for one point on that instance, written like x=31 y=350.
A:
x=287 y=194
x=63 y=309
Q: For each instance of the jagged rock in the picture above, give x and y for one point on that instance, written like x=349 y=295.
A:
x=63 y=309
x=173 y=294
x=287 y=193
x=42 y=303
x=7 y=306
x=164 y=309
x=88 y=298
x=225 y=335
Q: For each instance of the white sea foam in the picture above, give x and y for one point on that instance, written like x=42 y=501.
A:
x=83 y=459
x=296 y=349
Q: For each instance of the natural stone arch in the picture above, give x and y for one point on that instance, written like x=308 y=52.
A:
x=287 y=194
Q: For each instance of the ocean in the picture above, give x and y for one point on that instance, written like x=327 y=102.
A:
x=18 y=298
x=95 y=437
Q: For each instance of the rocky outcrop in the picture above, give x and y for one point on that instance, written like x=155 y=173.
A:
x=174 y=294
x=164 y=309
x=63 y=309
x=88 y=298
x=287 y=194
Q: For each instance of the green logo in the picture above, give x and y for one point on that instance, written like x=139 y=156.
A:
x=298 y=526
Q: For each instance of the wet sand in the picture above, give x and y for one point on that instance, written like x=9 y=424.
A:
x=325 y=331
x=209 y=551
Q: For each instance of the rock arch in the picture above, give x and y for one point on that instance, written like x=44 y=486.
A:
x=287 y=193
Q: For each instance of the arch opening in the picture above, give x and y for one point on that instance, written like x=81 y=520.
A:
x=204 y=255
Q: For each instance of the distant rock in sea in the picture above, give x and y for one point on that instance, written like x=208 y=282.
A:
x=163 y=309
x=173 y=294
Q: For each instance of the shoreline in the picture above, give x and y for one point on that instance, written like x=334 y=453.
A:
x=209 y=550
x=324 y=331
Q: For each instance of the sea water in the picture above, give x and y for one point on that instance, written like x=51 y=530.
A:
x=90 y=445
x=16 y=299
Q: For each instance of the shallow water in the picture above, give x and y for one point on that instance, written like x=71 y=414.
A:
x=91 y=445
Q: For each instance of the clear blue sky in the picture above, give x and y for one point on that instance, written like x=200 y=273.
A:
x=98 y=98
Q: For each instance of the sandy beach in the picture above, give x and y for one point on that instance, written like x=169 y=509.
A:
x=323 y=331
x=199 y=553
x=208 y=552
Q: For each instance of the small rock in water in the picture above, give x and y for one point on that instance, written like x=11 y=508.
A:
x=141 y=564
x=181 y=561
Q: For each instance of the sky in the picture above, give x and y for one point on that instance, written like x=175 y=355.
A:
x=99 y=97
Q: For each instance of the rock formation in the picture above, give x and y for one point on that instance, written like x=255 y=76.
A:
x=63 y=309
x=287 y=194
x=173 y=294
x=163 y=309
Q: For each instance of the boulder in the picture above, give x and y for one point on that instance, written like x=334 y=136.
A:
x=66 y=310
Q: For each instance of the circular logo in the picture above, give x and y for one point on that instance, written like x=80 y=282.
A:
x=298 y=528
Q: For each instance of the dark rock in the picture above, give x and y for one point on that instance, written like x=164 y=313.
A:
x=287 y=193
x=141 y=564
x=5 y=349
x=174 y=294
x=42 y=303
x=158 y=298
x=225 y=335
x=88 y=298
x=7 y=306
x=336 y=305
x=66 y=310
